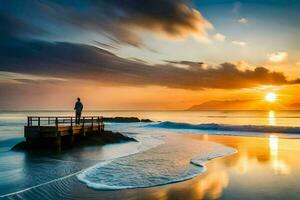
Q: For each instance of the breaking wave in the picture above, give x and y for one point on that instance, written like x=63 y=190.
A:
x=224 y=127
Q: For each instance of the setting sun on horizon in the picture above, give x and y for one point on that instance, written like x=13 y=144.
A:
x=271 y=97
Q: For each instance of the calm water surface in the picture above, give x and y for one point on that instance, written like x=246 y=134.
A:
x=266 y=166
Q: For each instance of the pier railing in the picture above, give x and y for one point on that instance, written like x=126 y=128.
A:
x=64 y=121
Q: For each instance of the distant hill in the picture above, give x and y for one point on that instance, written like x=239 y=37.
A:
x=243 y=105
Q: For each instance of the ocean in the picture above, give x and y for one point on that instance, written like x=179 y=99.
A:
x=161 y=156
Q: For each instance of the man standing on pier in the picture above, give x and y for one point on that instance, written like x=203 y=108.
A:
x=78 y=109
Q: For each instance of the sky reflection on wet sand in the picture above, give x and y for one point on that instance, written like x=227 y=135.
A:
x=263 y=168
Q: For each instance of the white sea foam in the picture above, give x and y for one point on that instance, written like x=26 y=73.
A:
x=165 y=164
x=222 y=152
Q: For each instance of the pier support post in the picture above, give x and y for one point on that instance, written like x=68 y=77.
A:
x=98 y=124
x=83 y=129
x=58 y=142
x=71 y=139
x=29 y=141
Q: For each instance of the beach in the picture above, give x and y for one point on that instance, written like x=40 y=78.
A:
x=165 y=164
x=150 y=99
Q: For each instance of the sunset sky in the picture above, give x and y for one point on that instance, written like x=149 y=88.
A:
x=149 y=54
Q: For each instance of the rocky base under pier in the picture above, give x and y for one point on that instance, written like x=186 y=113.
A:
x=105 y=137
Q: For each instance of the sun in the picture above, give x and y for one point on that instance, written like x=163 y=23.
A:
x=271 y=97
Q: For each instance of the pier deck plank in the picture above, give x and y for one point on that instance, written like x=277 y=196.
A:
x=52 y=131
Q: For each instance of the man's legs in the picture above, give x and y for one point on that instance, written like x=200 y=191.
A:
x=76 y=118
x=79 y=116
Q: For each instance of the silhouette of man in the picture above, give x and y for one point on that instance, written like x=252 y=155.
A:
x=78 y=109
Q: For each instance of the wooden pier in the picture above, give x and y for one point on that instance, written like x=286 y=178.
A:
x=58 y=129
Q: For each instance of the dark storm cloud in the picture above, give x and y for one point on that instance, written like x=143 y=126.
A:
x=122 y=20
x=79 y=61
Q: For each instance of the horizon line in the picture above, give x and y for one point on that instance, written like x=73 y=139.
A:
x=142 y=110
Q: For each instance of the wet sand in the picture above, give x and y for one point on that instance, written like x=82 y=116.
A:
x=263 y=168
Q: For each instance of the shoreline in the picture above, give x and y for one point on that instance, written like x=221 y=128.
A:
x=214 y=179
x=78 y=182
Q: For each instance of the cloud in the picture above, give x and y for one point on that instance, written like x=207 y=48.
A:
x=298 y=63
x=10 y=77
x=243 y=21
x=71 y=61
x=188 y=64
x=278 y=56
x=105 y=46
x=39 y=61
x=124 y=20
x=219 y=37
x=243 y=65
x=239 y=43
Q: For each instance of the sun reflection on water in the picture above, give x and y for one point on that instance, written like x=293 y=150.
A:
x=272 y=118
x=273 y=144
x=278 y=165
x=271 y=157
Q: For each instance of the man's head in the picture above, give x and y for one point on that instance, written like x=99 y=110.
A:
x=78 y=99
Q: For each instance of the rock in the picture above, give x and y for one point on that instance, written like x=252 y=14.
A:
x=20 y=146
x=106 y=137
x=146 y=120
x=124 y=119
